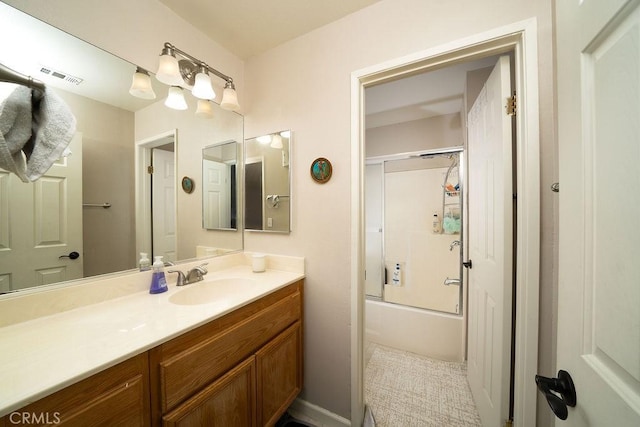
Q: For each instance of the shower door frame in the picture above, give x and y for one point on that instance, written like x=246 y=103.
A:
x=459 y=150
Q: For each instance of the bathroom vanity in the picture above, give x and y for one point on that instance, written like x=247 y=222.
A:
x=227 y=349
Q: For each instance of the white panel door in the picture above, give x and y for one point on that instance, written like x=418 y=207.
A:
x=490 y=247
x=598 y=45
x=216 y=195
x=163 y=209
x=41 y=221
x=373 y=199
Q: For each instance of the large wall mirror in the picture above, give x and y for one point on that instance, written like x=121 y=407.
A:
x=268 y=183
x=94 y=210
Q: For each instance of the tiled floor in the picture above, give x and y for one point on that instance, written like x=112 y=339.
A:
x=405 y=389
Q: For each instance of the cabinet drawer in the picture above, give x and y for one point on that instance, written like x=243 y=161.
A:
x=116 y=396
x=188 y=371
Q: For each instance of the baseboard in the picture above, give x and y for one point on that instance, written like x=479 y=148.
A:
x=306 y=411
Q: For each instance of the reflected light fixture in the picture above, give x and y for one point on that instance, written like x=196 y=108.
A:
x=178 y=69
x=276 y=141
x=204 y=109
x=264 y=139
x=141 y=85
x=175 y=99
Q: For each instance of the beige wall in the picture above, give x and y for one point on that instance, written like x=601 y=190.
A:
x=433 y=132
x=107 y=176
x=304 y=85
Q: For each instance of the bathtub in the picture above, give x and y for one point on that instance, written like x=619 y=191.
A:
x=429 y=333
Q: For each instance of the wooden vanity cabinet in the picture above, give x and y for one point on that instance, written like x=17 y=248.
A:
x=243 y=369
x=118 y=396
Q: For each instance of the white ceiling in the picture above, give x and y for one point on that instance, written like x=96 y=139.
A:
x=250 y=27
x=421 y=96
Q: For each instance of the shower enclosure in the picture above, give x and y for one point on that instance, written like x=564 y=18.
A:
x=414 y=225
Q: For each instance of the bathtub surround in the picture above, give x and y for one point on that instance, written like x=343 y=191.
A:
x=424 y=332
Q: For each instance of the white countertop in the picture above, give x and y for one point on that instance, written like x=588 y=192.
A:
x=47 y=353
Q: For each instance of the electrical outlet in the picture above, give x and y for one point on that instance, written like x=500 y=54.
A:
x=269 y=222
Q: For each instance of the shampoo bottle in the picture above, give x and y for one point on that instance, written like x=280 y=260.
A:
x=158 y=281
x=437 y=225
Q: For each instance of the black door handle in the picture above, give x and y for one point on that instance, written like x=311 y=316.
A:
x=551 y=387
x=467 y=264
x=72 y=255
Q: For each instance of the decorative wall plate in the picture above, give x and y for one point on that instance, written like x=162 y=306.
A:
x=321 y=170
x=187 y=185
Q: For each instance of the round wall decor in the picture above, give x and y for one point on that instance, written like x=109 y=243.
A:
x=321 y=170
x=188 y=185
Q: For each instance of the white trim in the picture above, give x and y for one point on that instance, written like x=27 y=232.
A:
x=303 y=410
x=520 y=37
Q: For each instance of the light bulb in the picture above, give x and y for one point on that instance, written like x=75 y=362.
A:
x=202 y=88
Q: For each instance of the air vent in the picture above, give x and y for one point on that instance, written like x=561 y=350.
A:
x=61 y=75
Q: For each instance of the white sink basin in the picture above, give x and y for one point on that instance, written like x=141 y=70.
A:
x=211 y=290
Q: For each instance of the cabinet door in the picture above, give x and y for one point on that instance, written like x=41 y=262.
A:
x=279 y=370
x=227 y=402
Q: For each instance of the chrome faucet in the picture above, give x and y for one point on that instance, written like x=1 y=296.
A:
x=454 y=244
x=196 y=274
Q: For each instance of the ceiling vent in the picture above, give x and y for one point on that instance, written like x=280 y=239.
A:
x=61 y=75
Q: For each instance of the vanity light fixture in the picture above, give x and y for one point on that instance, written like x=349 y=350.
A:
x=194 y=74
x=202 y=88
x=141 y=85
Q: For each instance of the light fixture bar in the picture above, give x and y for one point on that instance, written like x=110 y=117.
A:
x=198 y=62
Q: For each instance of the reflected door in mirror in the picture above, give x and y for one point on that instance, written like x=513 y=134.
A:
x=41 y=221
x=253 y=196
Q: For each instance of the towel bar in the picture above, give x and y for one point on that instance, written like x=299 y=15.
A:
x=96 y=205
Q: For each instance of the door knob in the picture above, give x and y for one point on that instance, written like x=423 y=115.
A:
x=551 y=387
x=467 y=264
x=72 y=255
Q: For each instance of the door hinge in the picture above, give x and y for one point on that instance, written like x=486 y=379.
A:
x=511 y=105
x=508 y=423
x=150 y=170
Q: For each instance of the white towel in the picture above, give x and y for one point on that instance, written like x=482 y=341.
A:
x=15 y=127
x=53 y=127
x=35 y=129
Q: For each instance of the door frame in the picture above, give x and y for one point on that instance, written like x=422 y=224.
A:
x=520 y=38
x=143 y=187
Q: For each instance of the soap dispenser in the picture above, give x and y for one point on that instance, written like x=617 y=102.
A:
x=158 y=281
x=145 y=264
